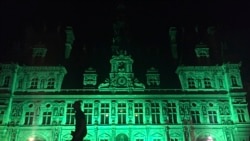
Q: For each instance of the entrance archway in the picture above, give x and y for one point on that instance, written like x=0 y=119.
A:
x=122 y=137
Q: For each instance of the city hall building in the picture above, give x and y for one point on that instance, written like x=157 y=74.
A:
x=123 y=101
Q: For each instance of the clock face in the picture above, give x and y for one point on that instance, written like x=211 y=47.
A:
x=122 y=81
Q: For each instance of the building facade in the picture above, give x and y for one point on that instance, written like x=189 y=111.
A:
x=209 y=105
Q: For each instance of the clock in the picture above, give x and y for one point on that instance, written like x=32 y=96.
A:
x=121 y=81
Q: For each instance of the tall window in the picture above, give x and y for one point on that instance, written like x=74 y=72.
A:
x=34 y=83
x=241 y=115
x=191 y=83
x=172 y=115
x=51 y=83
x=70 y=114
x=212 y=116
x=29 y=118
x=207 y=83
x=195 y=116
x=234 y=81
x=88 y=110
x=105 y=113
x=155 y=110
x=221 y=83
x=47 y=118
x=138 y=111
x=6 y=81
x=122 y=113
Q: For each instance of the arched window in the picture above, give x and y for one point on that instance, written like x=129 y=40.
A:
x=191 y=83
x=51 y=83
x=207 y=83
x=34 y=83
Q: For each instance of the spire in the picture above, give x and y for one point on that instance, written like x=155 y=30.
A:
x=120 y=42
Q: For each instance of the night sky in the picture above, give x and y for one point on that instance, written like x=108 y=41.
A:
x=148 y=21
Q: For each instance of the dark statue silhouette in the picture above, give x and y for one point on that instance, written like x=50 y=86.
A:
x=80 y=127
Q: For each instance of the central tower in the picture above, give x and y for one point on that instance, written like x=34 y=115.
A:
x=121 y=76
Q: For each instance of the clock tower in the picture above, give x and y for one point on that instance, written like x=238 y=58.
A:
x=121 y=77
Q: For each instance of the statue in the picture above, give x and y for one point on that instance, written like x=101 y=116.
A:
x=80 y=127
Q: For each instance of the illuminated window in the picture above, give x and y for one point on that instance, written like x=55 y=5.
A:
x=70 y=114
x=241 y=115
x=29 y=118
x=105 y=113
x=138 y=111
x=88 y=110
x=195 y=116
x=207 y=83
x=51 y=83
x=191 y=83
x=6 y=81
x=212 y=116
x=34 y=83
x=47 y=118
x=155 y=111
x=234 y=81
x=172 y=115
x=1 y=116
x=121 y=113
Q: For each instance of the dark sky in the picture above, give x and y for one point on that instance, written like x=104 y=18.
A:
x=148 y=19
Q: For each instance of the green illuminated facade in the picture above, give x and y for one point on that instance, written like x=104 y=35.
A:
x=209 y=105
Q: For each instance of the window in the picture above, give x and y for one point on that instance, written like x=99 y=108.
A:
x=42 y=84
x=172 y=115
x=29 y=118
x=234 y=81
x=156 y=139
x=51 y=83
x=195 y=116
x=139 y=139
x=47 y=118
x=88 y=110
x=138 y=111
x=191 y=83
x=173 y=139
x=212 y=115
x=105 y=113
x=70 y=114
x=6 y=81
x=155 y=110
x=241 y=115
x=122 y=113
x=34 y=83
x=207 y=83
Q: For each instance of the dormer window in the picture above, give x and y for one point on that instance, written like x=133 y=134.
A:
x=34 y=83
x=234 y=81
x=51 y=83
x=191 y=83
x=207 y=83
